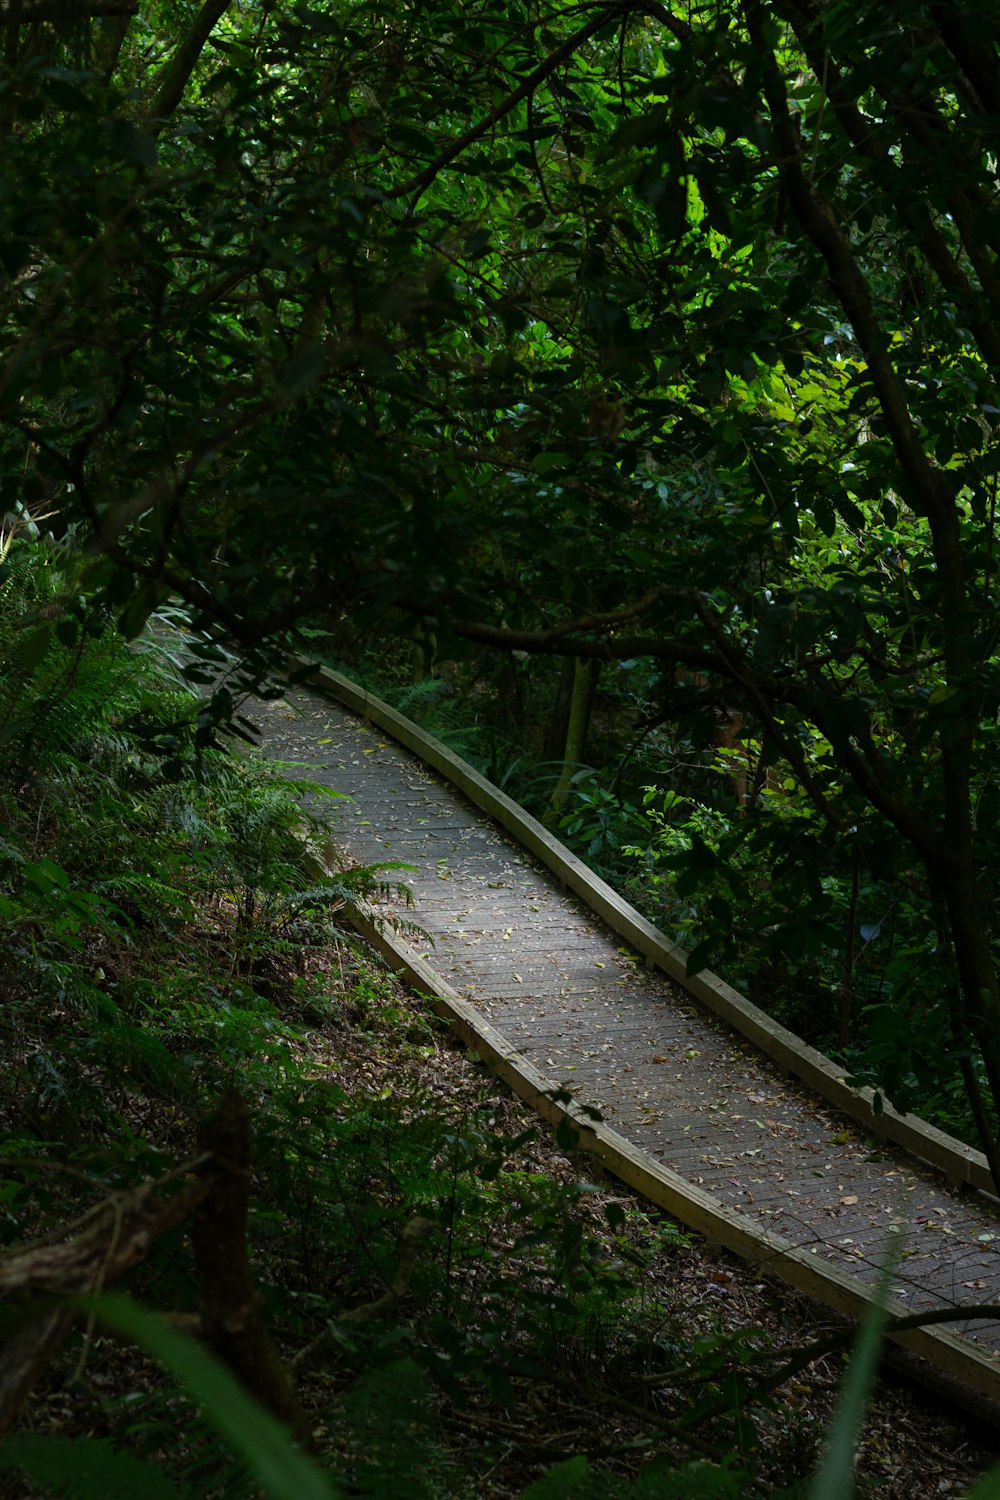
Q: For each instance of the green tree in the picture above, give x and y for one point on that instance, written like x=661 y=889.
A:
x=626 y=329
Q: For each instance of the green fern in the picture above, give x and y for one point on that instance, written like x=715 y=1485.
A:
x=72 y=680
x=88 y=1469
x=387 y=1418
x=146 y=893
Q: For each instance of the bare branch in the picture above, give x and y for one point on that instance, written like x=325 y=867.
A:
x=124 y=1229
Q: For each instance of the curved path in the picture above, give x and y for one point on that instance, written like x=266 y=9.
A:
x=712 y=1130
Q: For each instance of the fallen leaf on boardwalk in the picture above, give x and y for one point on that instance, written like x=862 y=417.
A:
x=327 y=741
x=851 y=1198
x=660 y=1057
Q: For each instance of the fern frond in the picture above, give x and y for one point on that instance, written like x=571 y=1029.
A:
x=87 y=1469
x=150 y=897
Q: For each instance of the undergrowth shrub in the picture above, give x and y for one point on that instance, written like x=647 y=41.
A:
x=126 y=836
x=791 y=911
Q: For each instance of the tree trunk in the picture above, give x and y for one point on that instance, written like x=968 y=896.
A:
x=977 y=1008
x=585 y=675
x=232 y=1319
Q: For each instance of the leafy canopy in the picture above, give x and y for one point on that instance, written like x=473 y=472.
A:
x=626 y=330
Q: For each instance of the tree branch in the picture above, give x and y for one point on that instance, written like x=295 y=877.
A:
x=861 y=132
x=173 y=77
x=978 y=65
x=22 y=12
x=121 y=1236
x=416 y=185
x=931 y=489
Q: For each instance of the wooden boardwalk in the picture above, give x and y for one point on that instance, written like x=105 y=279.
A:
x=574 y=1001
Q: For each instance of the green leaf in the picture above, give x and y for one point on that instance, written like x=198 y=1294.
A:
x=85 y=1469
x=46 y=876
x=138 y=610
x=641 y=130
x=302 y=370
x=698 y=959
x=835 y=1480
x=35 y=648
x=562 y=1482
x=132 y=143
x=543 y=463
x=987 y=1488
